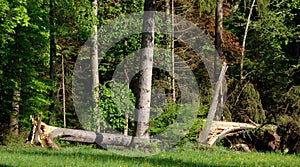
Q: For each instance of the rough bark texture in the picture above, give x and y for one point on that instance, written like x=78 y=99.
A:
x=144 y=99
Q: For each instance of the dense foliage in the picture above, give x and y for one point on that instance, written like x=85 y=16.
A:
x=269 y=91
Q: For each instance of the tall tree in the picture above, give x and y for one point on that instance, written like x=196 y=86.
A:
x=94 y=63
x=218 y=35
x=52 y=53
x=218 y=45
x=63 y=90
x=146 y=64
x=173 y=53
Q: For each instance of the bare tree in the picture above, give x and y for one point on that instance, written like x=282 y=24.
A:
x=244 y=41
x=94 y=65
x=146 y=64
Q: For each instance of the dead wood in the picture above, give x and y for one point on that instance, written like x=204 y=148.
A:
x=44 y=135
x=220 y=129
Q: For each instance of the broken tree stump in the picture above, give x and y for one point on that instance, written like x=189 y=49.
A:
x=220 y=129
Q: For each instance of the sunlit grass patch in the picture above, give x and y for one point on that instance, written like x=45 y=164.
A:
x=74 y=157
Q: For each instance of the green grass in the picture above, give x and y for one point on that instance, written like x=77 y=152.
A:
x=73 y=157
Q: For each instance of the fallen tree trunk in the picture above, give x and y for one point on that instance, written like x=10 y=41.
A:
x=45 y=135
x=89 y=137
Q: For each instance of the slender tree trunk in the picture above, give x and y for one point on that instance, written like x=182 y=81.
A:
x=218 y=35
x=94 y=66
x=173 y=53
x=146 y=64
x=170 y=43
x=213 y=107
x=14 y=121
x=52 y=54
x=218 y=45
x=244 y=40
x=63 y=90
x=126 y=115
x=16 y=99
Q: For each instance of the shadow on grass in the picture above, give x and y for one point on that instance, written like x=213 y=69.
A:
x=1 y=165
x=155 y=160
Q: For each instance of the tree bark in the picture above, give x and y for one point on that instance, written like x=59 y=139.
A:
x=94 y=67
x=44 y=134
x=218 y=45
x=146 y=64
x=218 y=36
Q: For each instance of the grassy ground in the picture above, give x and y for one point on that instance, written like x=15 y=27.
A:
x=73 y=157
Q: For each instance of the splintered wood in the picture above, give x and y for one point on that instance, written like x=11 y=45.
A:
x=221 y=129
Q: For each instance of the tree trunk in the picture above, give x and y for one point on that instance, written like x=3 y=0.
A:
x=63 y=90
x=14 y=121
x=218 y=36
x=244 y=41
x=173 y=53
x=218 y=45
x=170 y=44
x=214 y=106
x=127 y=82
x=44 y=134
x=94 y=67
x=146 y=64
x=52 y=55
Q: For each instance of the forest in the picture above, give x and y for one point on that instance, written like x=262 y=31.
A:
x=78 y=64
